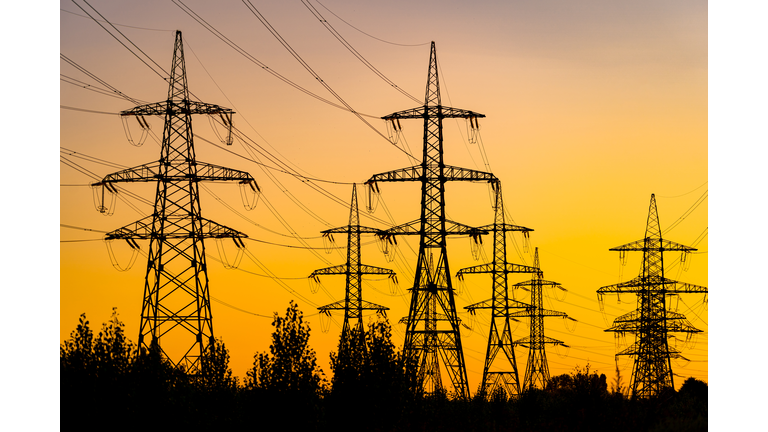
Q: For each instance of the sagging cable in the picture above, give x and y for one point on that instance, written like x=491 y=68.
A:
x=393 y=284
x=99 y=199
x=475 y=244
x=325 y=321
x=372 y=196
x=394 y=130
x=314 y=284
x=134 y=254
x=567 y=327
x=226 y=121
x=249 y=193
x=328 y=243
x=145 y=128
x=223 y=255
x=473 y=128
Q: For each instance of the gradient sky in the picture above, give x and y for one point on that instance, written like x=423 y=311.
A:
x=591 y=107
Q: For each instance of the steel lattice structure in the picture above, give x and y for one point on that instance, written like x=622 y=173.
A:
x=499 y=371
x=537 y=369
x=353 y=304
x=432 y=333
x=176 y=295
x=651 y=322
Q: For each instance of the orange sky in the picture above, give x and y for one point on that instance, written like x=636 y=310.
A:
x=590 y=109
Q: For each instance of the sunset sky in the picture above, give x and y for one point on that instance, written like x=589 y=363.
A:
x=591 y=107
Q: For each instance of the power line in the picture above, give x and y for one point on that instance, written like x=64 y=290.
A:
x=309 y=69
x=354 y=52
x=253 y=59
x=119 y=25
x=164 y=77
x=374 y=37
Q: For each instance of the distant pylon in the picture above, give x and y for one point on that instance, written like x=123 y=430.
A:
x=432 y=327
x=537 y=369
x=353 y=304
x=176 y=296
x=497 y=372
x=651 y=321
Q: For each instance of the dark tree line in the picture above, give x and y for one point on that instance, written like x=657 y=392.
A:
x=106 y=380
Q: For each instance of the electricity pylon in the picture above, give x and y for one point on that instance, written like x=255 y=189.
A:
x=353 y=304
x=432 y=332
x=651 y=321
x=537 y=369
x=176 y=296
x=499 y=372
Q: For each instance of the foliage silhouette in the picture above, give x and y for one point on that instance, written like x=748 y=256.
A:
x=287 y=379
x=370 y=384
x=105 y=381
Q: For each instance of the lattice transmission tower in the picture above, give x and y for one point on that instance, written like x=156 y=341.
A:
x=499 y=371
x=432 y=327
x=652 y=321
x=176 y=306
x=537 y=369
x=353 y=304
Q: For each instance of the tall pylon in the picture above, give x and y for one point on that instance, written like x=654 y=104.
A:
x=176 y=306
x=432 y=332
x=498 y=371
x=537 y=369
x=651 y=322
x=353 y=304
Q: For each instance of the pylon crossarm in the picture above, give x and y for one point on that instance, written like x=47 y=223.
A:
x=338 y=305
x=628 y=317
x=451 y=228
x=654 y=283
x=524 y=341
x=653 y=244
x=505 y=227
x=537 y=312
x=366 y=305
x=142 y=230
x=141 y=173
x=487 y=304
x=634 y=349
x=211 y=172
x=677 y=322
x=372 y=270
x=341 y=305
x=536 y=282
x=413 y=173
x=424 y=111
x=361 y=229
x=489 y=268
x=176 y=108
x=152 y=172
x=682 y=287
x=335 y=270
x=452 y=173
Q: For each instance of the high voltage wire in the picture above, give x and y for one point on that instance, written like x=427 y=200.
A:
x=87 y=86
x=254 y=60
x=688 y=212
x=236 y=109
x=99 y=80
x=309 y=69
x=164 y=75
x=354 y=52
x=119 y=25
x=373 y=37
